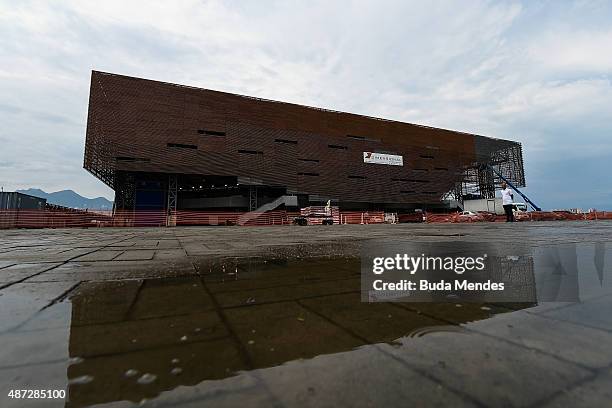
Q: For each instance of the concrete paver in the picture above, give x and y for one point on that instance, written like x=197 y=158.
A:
x=486 y=368
x=593 y=393
x=272 y=316
x=593 y=313
x=571 y=342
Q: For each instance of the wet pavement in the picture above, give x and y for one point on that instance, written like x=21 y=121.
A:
x=272 y=317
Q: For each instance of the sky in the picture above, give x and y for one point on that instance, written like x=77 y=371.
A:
x=538 y=72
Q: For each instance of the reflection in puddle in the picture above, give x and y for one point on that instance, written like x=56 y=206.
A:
x=131 y=340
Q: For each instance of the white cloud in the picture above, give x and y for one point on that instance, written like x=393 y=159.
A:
x=573 y=51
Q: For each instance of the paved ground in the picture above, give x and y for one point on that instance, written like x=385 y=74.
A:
x=256 y=317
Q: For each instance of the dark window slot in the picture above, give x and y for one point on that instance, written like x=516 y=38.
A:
x=426 y=156
x=410 y=180
x=420 y=170
x=362 y=138
x=357 y=177
x=310 y=160
x=250 y=152
x=182 y=146
x=133 y=159
x=441 y=168
x=337 y=147
x=407 y=191
x=285 y=141
x=308 y=174
x=210 y=132
x=430 y=192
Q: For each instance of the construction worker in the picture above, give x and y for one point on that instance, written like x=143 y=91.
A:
x=507 y=200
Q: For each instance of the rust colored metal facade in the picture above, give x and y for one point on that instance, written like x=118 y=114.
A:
x=143 y=135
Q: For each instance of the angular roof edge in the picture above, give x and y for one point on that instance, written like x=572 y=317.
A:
x=295 y=104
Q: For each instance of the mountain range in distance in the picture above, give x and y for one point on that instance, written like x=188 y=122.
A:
x=68 y=198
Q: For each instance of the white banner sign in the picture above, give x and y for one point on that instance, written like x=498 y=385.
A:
x=382 y=158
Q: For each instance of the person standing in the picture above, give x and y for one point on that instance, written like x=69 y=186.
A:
x=507 y=200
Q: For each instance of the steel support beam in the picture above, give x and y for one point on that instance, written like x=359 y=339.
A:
x=252 y=198
x=172 y=200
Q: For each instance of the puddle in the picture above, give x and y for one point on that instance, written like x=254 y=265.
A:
x=136 y=339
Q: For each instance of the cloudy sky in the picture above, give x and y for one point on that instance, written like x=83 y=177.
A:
x=536 y=71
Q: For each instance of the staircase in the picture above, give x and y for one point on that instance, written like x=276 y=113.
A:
x=252 y=215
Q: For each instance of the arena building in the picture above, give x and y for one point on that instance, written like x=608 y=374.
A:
x=168 y=147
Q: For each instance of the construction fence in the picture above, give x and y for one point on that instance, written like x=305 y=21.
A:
x=84 y=219
x=520 y=216
x=50 y=218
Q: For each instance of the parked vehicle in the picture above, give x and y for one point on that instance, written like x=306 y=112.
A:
x=491 y=205
x=469 y=216
x=318 y=215
x=476 y=216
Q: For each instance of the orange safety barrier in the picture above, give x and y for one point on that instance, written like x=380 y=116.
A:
x=69 y=218
x=231 y=218
x=50 y=218
x=599 y=215
x=526 y=216
x=416 y=217
x=359 y=217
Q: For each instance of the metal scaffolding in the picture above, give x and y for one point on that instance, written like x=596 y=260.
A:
x=479 y=180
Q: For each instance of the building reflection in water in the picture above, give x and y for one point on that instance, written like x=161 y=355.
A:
x=557 y=273
x=134 y=339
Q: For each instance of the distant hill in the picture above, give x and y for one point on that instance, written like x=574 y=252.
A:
x=69 y=198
